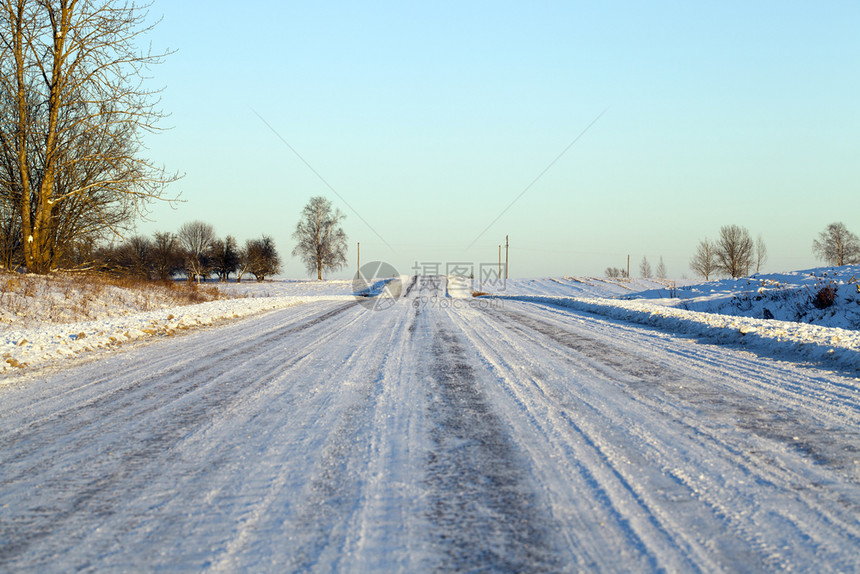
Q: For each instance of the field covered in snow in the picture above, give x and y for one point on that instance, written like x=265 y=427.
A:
x=554 y=425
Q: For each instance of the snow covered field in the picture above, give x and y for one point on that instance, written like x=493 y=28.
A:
x=558 y=426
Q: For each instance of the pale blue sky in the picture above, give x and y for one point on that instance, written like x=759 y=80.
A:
x=430 y=119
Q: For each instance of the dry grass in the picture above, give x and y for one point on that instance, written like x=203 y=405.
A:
x=66 y=298
x=479 y=293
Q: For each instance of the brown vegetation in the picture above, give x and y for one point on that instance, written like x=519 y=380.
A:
x=70 y=297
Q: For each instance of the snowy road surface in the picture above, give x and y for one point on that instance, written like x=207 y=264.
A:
x=436 y=435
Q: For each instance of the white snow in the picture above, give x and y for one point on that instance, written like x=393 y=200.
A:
x=728 y=310
x=26 y=342
x=555 y=426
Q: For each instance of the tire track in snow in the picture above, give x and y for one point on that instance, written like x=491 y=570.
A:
x=168 y=385
x=617 y=511
x=93 y=482
x=780 y=424
x=485 y=515
x=164 y=382
x=337 y=517
x=809 y=515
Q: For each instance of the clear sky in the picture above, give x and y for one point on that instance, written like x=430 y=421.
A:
x=430 y=119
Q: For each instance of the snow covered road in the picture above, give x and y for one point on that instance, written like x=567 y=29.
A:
x=435 y=435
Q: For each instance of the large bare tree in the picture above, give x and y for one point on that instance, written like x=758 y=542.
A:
x=735 y=251
x=704 y=261
x=73 y=110
x=197 y=239
x=321 y=240
x=837 y=246
x=166 y=255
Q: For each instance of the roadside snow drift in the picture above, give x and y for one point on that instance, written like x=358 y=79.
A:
x=28 y=347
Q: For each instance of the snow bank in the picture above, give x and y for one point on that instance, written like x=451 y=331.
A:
x=832 y=345
x=23 y=347
x=783 y=296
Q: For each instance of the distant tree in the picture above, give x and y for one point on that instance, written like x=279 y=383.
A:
x=135 y=257
x=260 y=258
x=661 y=269
x=760 y=253
x=321 y=240
x=225 y=257
x=645 y=268
x=735 y=251
x=613 y=272
x=704 y=262
x=243 y=267
x=196 y=239
x=837 y=246
x=166 y=255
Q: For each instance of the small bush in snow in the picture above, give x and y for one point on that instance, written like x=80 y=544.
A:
x=825 y=297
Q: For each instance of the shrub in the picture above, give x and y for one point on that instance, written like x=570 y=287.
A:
x=825 y=297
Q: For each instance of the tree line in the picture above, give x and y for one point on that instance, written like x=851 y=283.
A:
x=194 y=250
x=197 y=252
x=645 y=270
x=735 y=254
x=74 y=108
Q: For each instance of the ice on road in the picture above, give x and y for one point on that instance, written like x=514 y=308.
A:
x=435 y=435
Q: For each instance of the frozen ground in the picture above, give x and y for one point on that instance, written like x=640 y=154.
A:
x=548 y=431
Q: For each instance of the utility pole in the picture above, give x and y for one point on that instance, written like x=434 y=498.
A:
x=359 y=256
x=628 y=266
x=506 y=256
x=500 y=261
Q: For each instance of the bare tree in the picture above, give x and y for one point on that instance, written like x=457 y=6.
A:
x=260 y=258
x=760 y=253
x=321 y=240
x=196 y=239
x=243 y=266
x=704 y=262
x=645 y=268
x=225 y=257
x=74 y=110
x=135 y=257
x=166 y=256
x=837 y=246
x=613 y=272
x=661 y=269
x=735 y=251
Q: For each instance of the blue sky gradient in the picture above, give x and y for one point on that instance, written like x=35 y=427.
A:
x=430 y=119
